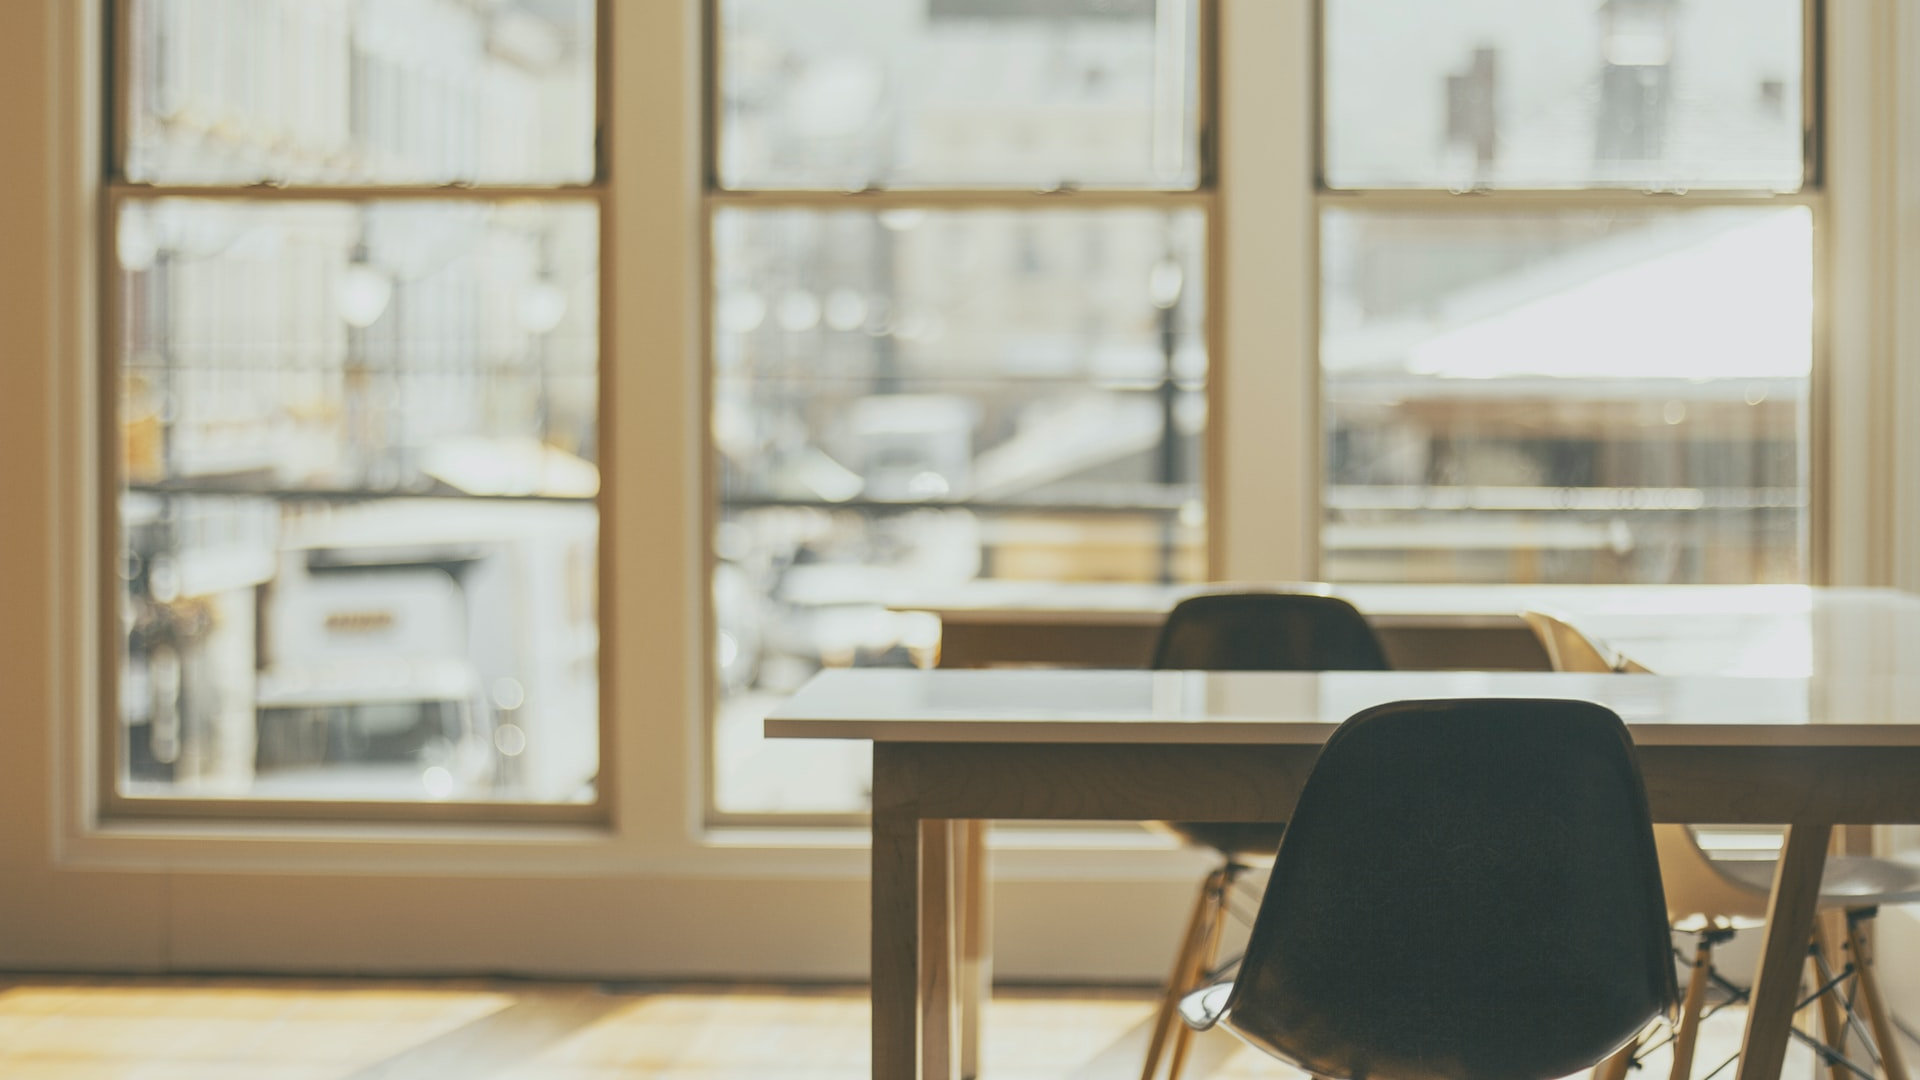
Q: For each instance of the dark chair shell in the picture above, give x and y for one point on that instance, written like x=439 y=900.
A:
x=1467 y=889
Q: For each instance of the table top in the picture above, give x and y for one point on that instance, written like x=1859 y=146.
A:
x=1189 y=707
x=1761 y=630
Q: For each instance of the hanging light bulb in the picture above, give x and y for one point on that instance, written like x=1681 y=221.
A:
x=846 y=309
x=741 y=311
x=135 y=241
x=1164 y=283
x=798 y=311
x=364 y=293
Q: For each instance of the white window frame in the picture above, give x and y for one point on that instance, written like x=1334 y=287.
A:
x=652 y=892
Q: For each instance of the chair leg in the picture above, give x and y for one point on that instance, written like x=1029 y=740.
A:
x=1209 y=952
x=1833 y=1025
x=1886 y=1038
x=1184 y=963
x=1688 y=1031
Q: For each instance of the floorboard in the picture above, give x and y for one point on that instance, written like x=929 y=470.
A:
x=320 y=1029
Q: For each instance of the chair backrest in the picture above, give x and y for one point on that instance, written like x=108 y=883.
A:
x=1567 y=648
x=1698 y=894
x=1467 y=889
x=1696 y=891
x=1268 y=631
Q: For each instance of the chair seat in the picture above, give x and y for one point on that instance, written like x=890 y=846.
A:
x=1247 y=843
x=1850 y=881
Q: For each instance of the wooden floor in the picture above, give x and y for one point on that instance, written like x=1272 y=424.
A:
x=256 y=1029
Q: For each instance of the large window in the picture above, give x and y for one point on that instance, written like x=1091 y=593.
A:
x=354 y=287
x=247 y=897
x=1566 y=290
x=959 y=331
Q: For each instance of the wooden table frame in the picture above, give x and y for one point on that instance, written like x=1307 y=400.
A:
x=930 y=800
x=978 y=639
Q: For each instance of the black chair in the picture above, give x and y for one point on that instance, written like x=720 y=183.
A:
x=1243 y=631
x=1268 y=631
x=1468 y=890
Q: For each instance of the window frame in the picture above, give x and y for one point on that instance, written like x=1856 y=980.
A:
x=107 y=747
x=715 y=198
x=1816 y=526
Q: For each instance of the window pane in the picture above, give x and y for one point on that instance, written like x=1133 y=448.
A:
x=360 y=91
x=358 y=443
x=1575 y=397
x=846 y=94
x=1667 y=94
x=915 y=399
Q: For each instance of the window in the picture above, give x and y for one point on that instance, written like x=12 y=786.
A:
x=959 y=330
x=1566 y=290
x=355 y=304
x=93 y=892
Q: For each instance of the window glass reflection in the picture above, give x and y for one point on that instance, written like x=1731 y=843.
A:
x=1567 y=397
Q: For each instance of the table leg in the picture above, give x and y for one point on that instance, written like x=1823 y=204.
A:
x=975 y=944
x=939 y=1027
x=896 y=936
x=1790 y=912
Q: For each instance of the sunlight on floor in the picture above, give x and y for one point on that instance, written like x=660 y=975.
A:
x=242 y=1032
x=209 y=1029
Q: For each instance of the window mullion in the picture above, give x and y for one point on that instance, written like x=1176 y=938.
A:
x=981 y=198
x=1550 y=198
x=357 y=193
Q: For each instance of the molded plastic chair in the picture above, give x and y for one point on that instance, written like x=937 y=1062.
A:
x=1712 y=897
x=1243 y=631
x=1468 y=890
x=1268 y=631
x=1570 y=650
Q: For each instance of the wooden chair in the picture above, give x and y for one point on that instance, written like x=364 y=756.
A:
x=1713 y=897
x=1570 y=650
x=1468 y=890
x=1242 y=631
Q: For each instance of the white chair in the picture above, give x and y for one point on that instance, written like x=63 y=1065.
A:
x=1712 y=897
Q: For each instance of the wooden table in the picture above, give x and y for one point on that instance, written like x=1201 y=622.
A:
x=951 y=748
x=1705 y=629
